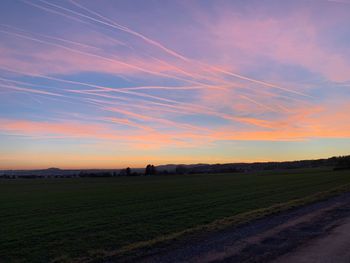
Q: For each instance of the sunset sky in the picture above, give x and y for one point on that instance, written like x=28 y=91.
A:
x=110 y=84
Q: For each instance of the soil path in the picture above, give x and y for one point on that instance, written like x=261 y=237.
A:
x=332 y=248
x=319 y=232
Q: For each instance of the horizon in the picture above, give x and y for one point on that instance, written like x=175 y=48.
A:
x=169 y=164
x=86 y=84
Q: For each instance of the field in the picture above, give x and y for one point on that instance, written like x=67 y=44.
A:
x=46 y=219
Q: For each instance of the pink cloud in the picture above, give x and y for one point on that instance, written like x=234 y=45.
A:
x=236 y=41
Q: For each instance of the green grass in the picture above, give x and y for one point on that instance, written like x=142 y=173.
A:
x=41 y=220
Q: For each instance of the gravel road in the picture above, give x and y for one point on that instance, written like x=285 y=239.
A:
x=319 y=232
x=331 y=248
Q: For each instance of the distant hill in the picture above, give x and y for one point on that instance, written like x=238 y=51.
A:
x=338 y=163
x=172 y=167
x=341 y=162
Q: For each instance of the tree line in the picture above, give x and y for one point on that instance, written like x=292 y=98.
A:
x=337 y=163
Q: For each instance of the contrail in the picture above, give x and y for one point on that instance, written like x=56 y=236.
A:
x=120 y=27
x=125 y=92
x=54 y=12
x=189 y=107
x=95 y=86
x=24 y=83
x=100 y=88
x=126 y=29
x=152 y=106
x=178 y=105
x=127 y=122
x=30 y=90
x=40 y=92
x=150 y=88
x=257 y=103
x=181 y=107
x=115 y=25
x=105 y=58
x=195 y=75
x=148 y=118
x=85 y=53
x=100 y=57
x=144 y=117
x=87 y=92
x=166 y=88
x=266 y=92
x=339 y=1
x=259 y=81
x=51 y=37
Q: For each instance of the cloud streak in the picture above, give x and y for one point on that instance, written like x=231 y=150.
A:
x=143 y=79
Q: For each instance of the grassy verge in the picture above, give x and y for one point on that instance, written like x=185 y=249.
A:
x=231 y=221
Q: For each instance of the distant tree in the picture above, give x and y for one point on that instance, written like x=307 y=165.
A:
x=180 y=169
x=153 y=170
x=343 y=163
x=128 y=171
x=147 y=170
x=150 y=170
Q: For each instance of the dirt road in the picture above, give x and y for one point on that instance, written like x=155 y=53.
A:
x=331 y=248
x=319 y=232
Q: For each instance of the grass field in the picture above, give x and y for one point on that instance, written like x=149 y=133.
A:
x=44 y=219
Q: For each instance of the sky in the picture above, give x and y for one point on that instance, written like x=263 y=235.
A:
x=110 y=84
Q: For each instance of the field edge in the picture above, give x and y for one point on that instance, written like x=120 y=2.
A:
x=136 y=249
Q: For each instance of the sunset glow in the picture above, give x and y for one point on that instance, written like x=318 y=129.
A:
x=110 y=84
